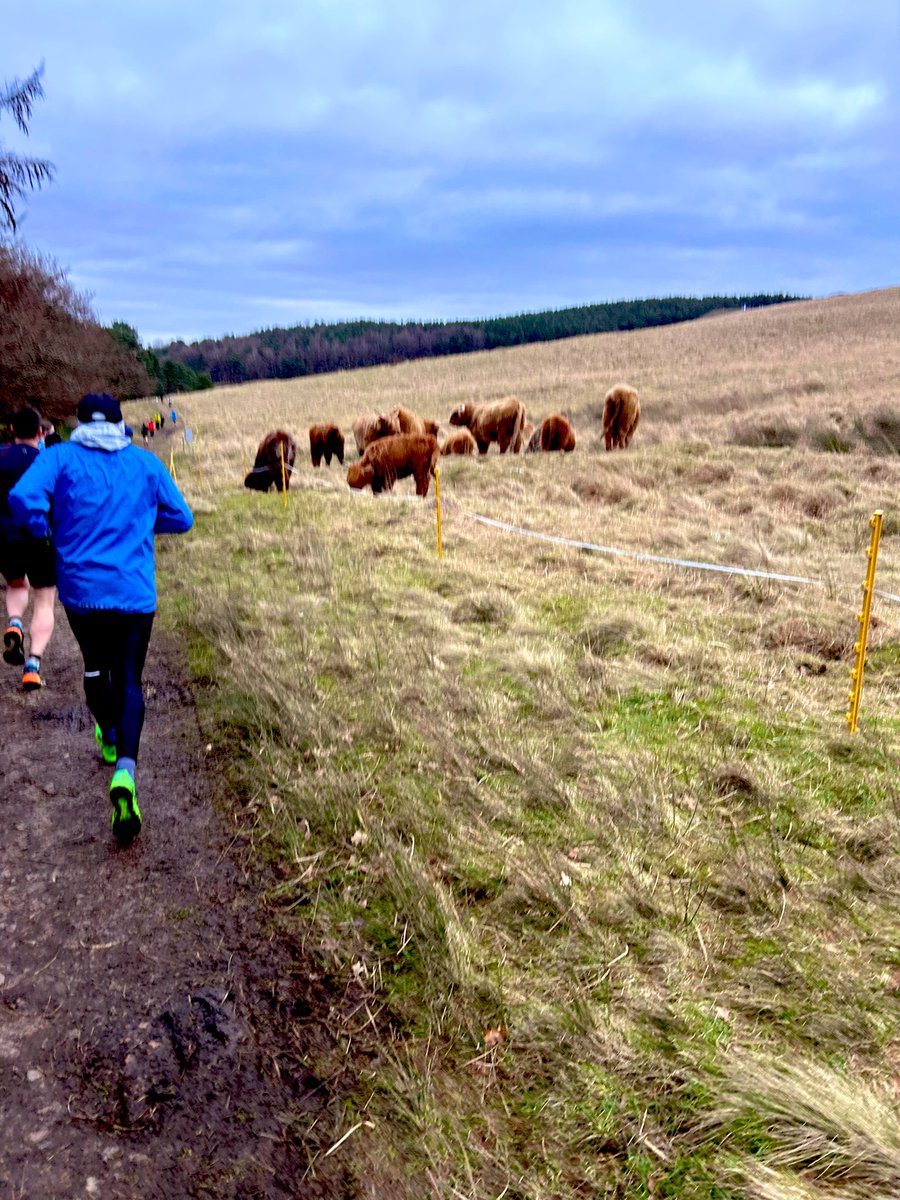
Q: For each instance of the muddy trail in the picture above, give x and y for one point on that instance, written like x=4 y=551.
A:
x=155 y=1040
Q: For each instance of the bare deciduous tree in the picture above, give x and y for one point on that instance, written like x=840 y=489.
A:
x=52 y=347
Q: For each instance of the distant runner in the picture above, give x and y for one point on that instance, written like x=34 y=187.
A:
x=24 y=559
x=104 y=500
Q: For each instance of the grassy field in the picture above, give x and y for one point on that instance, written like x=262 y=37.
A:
x=605 y=892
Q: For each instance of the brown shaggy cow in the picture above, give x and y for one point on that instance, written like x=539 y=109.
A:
x=500 y=422
x=621 y=413
x=405 y=419
x=372 y=426
x=325 y=441
x=553 y=433
x=267 y=467
x=460 y=441
x=391 y=458
x=409 y=422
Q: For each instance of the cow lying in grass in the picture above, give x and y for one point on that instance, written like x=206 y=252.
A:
x=459 y=441
x=267 y=467
x=326 y=441
x=501 y=422
x=396 y=457
x=553 y=433
x=621 y=413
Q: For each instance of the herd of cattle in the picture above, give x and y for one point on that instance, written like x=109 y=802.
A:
x=400 y=443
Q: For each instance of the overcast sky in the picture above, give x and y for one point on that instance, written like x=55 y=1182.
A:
x=223 y=167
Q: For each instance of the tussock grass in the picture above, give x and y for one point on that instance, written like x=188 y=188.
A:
x=587 y=834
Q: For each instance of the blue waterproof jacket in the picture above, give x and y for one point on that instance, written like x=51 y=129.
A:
x=101 y=508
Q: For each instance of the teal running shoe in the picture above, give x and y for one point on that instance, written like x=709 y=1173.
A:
x=108 y=750
x=126 y=816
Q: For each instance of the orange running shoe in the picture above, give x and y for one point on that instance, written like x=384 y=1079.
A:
x=31 y=677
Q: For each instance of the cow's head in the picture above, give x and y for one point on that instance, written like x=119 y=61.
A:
x=360 y=474
x=461 y=415
x=259 y=479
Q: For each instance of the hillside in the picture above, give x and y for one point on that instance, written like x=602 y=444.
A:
x=584 y=836
x=318 y=349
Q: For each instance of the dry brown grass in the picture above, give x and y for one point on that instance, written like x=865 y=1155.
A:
x=607 y=806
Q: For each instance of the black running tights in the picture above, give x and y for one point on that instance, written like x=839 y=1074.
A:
x=114 y=647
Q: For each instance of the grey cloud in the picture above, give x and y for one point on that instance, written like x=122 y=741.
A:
x=225 y=166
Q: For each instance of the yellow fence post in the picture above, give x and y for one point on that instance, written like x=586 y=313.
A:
x=437 y=497
x=283 y=476
x=172 y=464
x=864 y=618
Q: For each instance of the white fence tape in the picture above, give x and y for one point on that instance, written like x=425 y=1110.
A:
x=615 y=551
x=642 y=556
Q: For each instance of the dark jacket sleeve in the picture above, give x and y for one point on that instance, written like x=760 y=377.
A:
x=29 y=500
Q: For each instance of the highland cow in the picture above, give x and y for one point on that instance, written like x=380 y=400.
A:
x=391 y=458
x=372 y=426
x=460 y=441
x=500 y=422
x=326 y=441
x=621 y=413
x=553 y=433
x=407 y=421
x=267 y=467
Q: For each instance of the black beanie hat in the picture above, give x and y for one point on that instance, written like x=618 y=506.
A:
x=98 y=406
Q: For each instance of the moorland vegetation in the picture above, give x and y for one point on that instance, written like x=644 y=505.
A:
x=603 y=892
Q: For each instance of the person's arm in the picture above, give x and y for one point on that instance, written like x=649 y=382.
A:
x=172 y=514
x=30 y=499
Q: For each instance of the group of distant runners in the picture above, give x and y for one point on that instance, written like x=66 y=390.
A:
x=156 y=422
x=80 y=516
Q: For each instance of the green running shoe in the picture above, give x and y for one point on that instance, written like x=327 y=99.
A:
x=126 y=816
x=107 y=750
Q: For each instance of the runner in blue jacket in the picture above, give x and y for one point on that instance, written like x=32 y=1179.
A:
x=102 y=500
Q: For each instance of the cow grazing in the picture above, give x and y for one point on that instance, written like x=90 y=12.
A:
x=459 y=441
x=553 y=433
x=370 y=427
x=326 y=441
x=621 y=413
x=499 y=422
x=527 y=432
x=391 y=458
x=534 y=440
x=267 y=467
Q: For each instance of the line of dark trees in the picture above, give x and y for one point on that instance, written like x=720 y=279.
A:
x=164 y=377
x=314 y=349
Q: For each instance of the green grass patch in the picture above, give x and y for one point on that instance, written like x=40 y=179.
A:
x=579 y=866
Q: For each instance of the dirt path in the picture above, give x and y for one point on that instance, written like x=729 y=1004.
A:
x=153 y=1042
